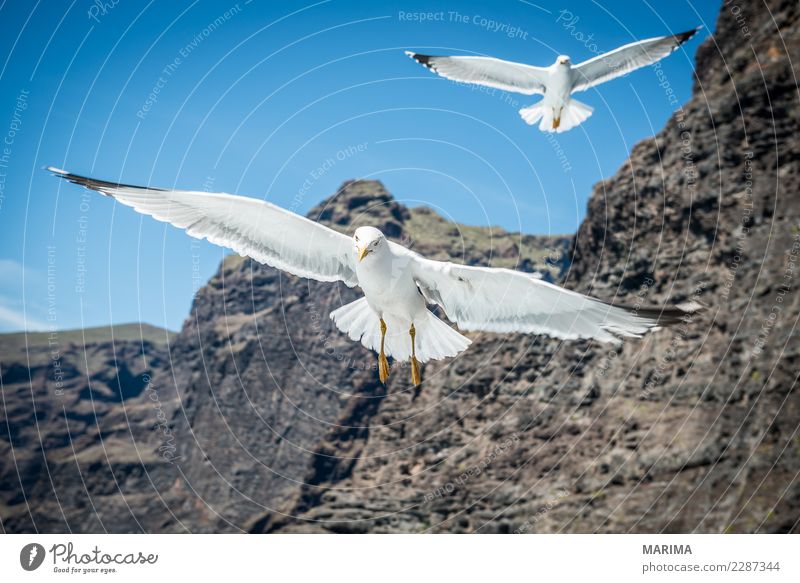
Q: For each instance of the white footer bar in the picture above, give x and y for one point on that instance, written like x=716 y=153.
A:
x=401 y=558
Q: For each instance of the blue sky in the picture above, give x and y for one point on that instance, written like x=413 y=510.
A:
x=254 y=97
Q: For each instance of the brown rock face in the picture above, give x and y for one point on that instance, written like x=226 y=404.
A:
x=276 y=421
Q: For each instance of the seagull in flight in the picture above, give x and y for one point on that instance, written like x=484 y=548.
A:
x=392 y=318
x=557 y=111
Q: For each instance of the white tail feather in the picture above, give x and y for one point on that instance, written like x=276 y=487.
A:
x=572 y=114
x=434 y=339
x=533 y=113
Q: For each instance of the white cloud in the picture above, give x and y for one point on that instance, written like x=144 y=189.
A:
x=12 y=274
x=12 y=320
x=12 y=314
x=10 y=269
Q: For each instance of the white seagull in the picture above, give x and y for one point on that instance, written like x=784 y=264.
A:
x=392 y=318
x=558 y=112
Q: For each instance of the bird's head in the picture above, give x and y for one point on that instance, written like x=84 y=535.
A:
x=368 y=240
x=563 y=60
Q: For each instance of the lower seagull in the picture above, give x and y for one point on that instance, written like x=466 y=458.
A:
x=392 y=318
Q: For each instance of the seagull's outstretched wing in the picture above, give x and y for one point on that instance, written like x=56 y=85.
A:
x=625 y=59
x=258 y=229
x=488 y=71
x=502 y=300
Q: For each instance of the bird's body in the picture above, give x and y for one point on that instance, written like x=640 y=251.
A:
x=560 y=83
x=392 y=299
x=558 y=111
x=387 y=283
x=398 y=284
x=558 y=95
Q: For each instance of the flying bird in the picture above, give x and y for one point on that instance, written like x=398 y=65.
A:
x=557 y=111
x=392 y=318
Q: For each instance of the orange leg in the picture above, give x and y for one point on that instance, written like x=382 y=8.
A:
x=383 y=363
x=415 y=376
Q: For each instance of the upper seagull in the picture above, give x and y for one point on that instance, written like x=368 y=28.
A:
x=392 y=318
x=558 y=112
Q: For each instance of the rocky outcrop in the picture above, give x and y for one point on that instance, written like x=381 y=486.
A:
x=85 y=433
x=691 y=429
x=286 y=403
x=251 y=411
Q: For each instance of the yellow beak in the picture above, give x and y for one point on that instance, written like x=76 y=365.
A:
x=362 y=252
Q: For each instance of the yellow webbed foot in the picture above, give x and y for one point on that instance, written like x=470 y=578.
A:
x=383 y=368
x=415 y=376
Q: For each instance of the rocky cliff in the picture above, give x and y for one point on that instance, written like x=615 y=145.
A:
x=274 y=422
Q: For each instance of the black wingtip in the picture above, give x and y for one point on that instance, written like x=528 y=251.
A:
x=424 y=60
x=100 y=186
x=671 y=315
x=682 y=37
x=667 y=315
